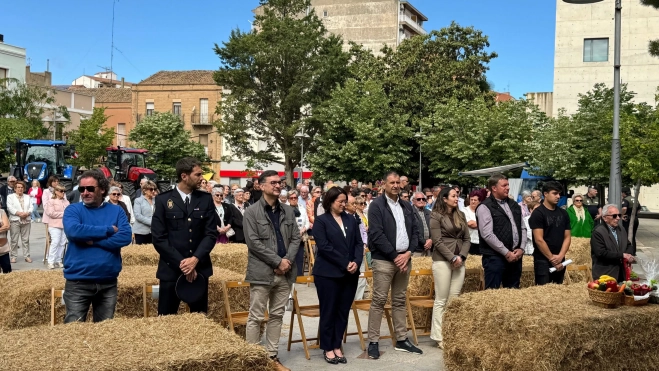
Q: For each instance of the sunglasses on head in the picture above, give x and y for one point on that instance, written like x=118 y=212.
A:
x=89 y=189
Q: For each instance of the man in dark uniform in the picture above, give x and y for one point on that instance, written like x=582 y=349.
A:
x=628 y=202
x=184 y=233
x=592 y=204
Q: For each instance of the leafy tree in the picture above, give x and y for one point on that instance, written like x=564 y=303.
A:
x=276 y=74
x=363 y=137
x=91 y=139
x=654 y=44
x=10 y=130
x=21 y=101
x=473 y=134
x=163 y=134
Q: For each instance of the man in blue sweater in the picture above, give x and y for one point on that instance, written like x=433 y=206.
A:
x=96 y=231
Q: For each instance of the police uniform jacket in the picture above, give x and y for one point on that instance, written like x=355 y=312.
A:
x=179 y=233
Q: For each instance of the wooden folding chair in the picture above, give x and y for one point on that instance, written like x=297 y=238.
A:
x=420 y=301
x=367 y=267
x=578 y=268
x=303 y=311
x=365 y=305
x=47 y=248
x=231 y=319
x=55 y=297
x=310 y=245
x=153 y=292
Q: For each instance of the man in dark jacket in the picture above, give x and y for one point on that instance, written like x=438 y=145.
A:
x=184 y=233
x=609 y=245
x=6 y=190
x=502 y=235
x=393 y=235
x=423 y=220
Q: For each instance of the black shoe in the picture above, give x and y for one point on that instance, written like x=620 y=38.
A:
x=341 y=360
x=332 y=361
x=373 y=351
x=406 y=346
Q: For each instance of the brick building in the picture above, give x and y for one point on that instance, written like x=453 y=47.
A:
x=193 y=95
x=118 y=108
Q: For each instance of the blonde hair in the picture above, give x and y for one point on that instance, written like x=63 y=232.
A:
x=58 y=188
x=149 y=184
x=33 y=181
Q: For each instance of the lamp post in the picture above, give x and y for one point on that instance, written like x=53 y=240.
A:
x=302 y=135
x=418 y=135
x=615 y=178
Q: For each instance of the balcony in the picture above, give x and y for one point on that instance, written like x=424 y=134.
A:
x=412 y=24
x=198 y=119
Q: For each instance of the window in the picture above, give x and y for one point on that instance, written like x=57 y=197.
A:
x=149 y=109
x=596 y=50
x=121 y=135
x=325 y=14
x=203 y=140
x=203 y=111
x=3 y=75
x=177 y=108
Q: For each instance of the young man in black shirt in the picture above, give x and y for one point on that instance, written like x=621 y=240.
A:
x=551 y=236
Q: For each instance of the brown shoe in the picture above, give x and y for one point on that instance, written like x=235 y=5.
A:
x=278 y=365
x=28 y=260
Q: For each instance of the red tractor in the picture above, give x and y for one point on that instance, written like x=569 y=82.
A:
x=128 y=166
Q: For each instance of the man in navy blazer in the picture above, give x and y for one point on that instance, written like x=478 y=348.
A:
x=336 y=270
x=393 y=235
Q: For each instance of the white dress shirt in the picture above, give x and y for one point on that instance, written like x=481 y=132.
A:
x=402 y=239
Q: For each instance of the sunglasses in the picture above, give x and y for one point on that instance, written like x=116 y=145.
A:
x=218 y=195
x=115 y=194
x=615 y=216
x=428 y=196
x=578 y=200
x=275 y=182
x=316 y=192
x=421 y=199
x=89 y=189
x=360 y=203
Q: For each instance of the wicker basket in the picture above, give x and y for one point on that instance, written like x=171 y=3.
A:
x=629 y=300
x=606 y=299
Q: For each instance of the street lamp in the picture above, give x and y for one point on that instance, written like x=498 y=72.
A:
x=418 y=136
x=302 y=135
x=615 y=178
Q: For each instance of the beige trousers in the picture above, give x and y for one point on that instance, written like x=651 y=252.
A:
x=272 y=297
x=386 y=275
x=19 y=231
x=448 y=284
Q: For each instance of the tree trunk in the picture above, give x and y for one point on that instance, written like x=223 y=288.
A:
x=288 y=171
x=632 y=220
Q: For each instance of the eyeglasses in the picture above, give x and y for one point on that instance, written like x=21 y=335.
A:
x=293 y=198
x=360 y=203
x=578 y=200
x=421 y=199
x=615 y=216
x=316 y=192
x=89 y=189
x=275 y=182
x=115 y=194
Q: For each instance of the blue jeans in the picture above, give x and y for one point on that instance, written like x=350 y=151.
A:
x=79 y=295
x=35 y=212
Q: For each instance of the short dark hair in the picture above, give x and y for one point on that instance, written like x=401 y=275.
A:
x=426 y=190
x=103 y=182
x=627 y=191
x=387 y=175
x=267 y=174
x=366 y=190
x=494 y=180
x=355 y=192
x=185 y=166
x=552 y=185
x=331 y=195
x=51 y=179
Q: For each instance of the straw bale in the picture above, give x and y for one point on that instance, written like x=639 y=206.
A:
x=25 y=298
x=230 y=256
x=547 y=328
x=187 y=342
x=579 y=251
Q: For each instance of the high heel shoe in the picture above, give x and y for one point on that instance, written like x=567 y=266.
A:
x=332 y=361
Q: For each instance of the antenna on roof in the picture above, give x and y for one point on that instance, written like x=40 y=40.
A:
x=112 y=42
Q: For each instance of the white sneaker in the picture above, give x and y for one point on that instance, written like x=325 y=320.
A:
x=51 y=266
x=59 y=265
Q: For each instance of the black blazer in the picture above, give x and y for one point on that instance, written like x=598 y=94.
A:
x=382 y=229
x=74 y=197
x=3 y=197
x=237 y=225
x=178 y=235
x=426 y=214
x=335 y=252
x=607 y=254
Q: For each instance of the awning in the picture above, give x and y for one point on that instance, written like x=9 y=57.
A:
x=493 y=170
x=208 y=176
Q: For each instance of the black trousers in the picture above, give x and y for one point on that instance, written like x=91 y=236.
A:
x=335 y=296
x=142 y=239
x=475 y=249
x=542 y=275
x=5 y=263
x=168 y=301
x=498 y=271
x=625 y=225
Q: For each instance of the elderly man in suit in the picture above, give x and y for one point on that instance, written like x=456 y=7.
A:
x=609 y=245
x=183 y=230
x=423 y=220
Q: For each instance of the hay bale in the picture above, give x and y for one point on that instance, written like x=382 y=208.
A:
x=579 y=251
x=548 y=328
x=25 y=298
x=230 y=256
x=186 y=342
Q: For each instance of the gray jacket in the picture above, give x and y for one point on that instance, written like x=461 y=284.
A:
x=262 y=243
x=143 y=214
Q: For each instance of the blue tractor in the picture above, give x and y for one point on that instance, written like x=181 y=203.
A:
x=39 y=159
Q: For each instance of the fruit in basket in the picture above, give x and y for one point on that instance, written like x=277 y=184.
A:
x=629 y=291
x=605 y=278
x=602 y=287
x=633 y=275
x=593 y=285
x=612 y=285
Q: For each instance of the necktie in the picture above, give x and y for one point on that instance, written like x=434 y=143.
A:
x=187 y=204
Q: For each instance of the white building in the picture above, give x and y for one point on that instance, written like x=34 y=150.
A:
x=101 y=80
x=585 y=46
x=12 y=61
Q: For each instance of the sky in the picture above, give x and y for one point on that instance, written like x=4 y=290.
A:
x=154 y=35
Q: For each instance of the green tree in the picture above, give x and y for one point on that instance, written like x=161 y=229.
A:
x=10 y=130
x=91 y=139
x=654 y=44
x=163 y=134
x=27 y=102
x=363 y=137
x=276 y=74
x=473 y=134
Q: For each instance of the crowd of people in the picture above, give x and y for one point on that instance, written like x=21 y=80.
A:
x=352 y=227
